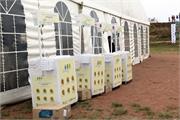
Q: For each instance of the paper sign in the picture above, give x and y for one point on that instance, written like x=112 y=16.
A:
x=119 y=29
x=65 y=113
x=106 y=27
x=77 y=64
x=35 y=69
x=85 y=20
x=49 y=18
x=107 y=59
x=40 y=18
x=46 y=64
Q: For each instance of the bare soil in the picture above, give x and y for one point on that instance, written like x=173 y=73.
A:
x=155 y=89
x=155 y=85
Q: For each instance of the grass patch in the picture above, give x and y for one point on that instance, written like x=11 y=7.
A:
x=146 y=110
x=135 y=105
x=115 y=105
x=96 y=113
x=165 y=115
x=27 y=110
x=171 y=108
x=118 y=109
x=99 y=110
x=85 y=105
x=150 y=114
x=170 y=112
x=164 y=47
x=19 y=116
x=5 y=114
x=29 y=105
x=108 y=118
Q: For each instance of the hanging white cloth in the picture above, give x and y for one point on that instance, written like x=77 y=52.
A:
x=87 y=40
x=105 y=42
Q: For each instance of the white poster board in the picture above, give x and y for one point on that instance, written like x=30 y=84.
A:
x=173 y=33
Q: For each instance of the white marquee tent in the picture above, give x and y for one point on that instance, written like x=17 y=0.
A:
x=83 y=26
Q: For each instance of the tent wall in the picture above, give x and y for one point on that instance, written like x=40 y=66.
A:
x=87 y=30
x=118 y=34
x=122 y=35
x=126 y=9
x=143 y=41
x=147 y=46
x=132 y=48
x=108 y=20
x=46 y=38
x=140 y=42
x=142 y=38
x=16 y=49
x=129 y=45
x=49 y=37
x=136 y=44
x=33 y=34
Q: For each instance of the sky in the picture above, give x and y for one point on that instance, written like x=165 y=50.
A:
x=161 y=9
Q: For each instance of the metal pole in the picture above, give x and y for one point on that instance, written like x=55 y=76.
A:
x=39 y=30
x=111 y=42
x=80 y=37
x=59 y=34
x=115 y=39
x=94 y=37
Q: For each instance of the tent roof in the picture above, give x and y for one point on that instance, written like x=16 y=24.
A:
x=127 y=9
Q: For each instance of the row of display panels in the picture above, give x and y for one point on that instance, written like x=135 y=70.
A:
x=56 y=80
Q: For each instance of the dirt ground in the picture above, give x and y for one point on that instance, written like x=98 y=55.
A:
x=154 y=87
x=153 y=93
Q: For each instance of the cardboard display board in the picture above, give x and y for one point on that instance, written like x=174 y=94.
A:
x=90 y=73
x=53 y=81
x=113 y=70
x=126 y=66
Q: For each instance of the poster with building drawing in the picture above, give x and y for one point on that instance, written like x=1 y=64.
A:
x=173 y=33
